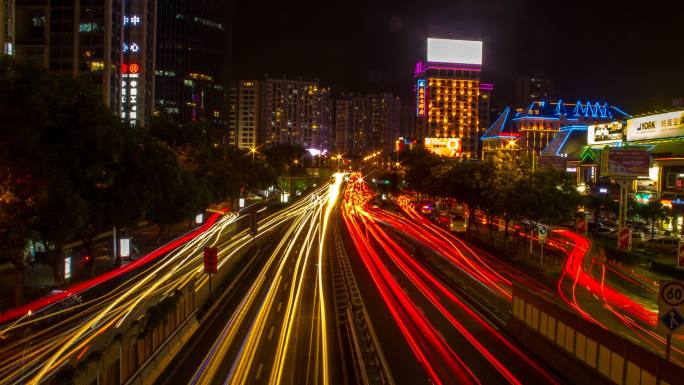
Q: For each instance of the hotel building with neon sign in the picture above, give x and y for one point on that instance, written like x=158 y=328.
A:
x=451 y=102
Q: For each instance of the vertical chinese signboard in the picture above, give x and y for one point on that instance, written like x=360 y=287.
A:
x=420 y=97
x=132 y=74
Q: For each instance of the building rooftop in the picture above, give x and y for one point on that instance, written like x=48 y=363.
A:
x=570 y=111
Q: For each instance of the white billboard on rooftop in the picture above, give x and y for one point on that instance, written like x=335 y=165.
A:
x=454 y=51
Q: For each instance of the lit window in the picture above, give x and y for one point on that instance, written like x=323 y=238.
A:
x=96 y=66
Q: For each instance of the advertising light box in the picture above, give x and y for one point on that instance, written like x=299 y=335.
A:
x=605 y=133
x=450 y=147
x=659 y=126
x=454 y=51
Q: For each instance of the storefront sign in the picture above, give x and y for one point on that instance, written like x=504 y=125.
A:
x=605 y=133
x=625 y=163
x=660 y=126
x=449 y=147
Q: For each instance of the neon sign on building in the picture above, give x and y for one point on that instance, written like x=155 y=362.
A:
x=420 y=107
x=131 y=74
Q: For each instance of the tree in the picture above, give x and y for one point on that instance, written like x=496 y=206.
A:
x=549 y=196
x=419 y=164
x=653 y=212
x=598 y=203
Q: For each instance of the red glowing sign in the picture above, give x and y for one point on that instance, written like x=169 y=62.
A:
x=133 y=68
x=124 y=68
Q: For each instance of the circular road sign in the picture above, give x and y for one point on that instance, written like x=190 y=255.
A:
x=673 y=293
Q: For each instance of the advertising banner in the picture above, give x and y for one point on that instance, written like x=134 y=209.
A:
x=605 y=133
x=659 y=126
x=626 y=163
x=625 y=238
x=449 y=147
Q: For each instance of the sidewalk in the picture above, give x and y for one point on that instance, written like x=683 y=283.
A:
x=39 y=277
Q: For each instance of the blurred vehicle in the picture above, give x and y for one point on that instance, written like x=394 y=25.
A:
x=427 y=209
x=458 y=223
x=606 y=232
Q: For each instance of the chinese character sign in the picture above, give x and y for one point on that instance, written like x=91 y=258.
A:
x=131 y=69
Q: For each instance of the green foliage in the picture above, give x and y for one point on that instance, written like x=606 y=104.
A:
x=282 y=157
x=504 y=186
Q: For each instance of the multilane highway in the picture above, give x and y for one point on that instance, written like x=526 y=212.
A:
x=280 y=331
x=452 y=342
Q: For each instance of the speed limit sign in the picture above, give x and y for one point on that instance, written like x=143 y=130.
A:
x=671 y=306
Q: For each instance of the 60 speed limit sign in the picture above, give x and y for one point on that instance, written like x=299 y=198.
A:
x=671 y=306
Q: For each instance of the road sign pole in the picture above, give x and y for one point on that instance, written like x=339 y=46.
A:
x=541 y=256
x=668 y=345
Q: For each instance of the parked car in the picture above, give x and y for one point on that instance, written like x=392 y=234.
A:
x=663 y=244
x=606 y=232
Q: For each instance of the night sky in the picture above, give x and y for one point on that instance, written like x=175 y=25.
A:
x=624 y=53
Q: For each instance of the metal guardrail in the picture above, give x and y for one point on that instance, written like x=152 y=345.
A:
x=370 y=365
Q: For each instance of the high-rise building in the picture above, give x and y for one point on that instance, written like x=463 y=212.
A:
x=244 y=113
x=385 y=122
x=344 y=112
x=193 y=60
x=110 y=41
x=326 y=141
x=533 y=88
x=366 y=123
x=449 y=95
x=7 y=27
x=279 y=111
x=291 y=112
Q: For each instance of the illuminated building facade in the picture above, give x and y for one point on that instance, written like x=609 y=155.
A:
x=291 y=113
x=449 y=95
x=193 y=61
x=244 y=113
x=110 y=42
x=531 y=129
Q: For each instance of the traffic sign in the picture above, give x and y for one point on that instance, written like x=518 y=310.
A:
x=210 y=260
x=671 y=307
x=543 y=232
x=680 y=255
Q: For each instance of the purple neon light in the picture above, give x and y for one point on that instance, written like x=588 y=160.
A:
x=423 y=66
x=487 y=86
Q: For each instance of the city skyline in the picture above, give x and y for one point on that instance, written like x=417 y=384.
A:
x=372 y=51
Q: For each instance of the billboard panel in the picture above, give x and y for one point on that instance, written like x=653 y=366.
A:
x=450 y=147
x=659 y=126
x=605 y=133
x=454 y=51
x=625 y=163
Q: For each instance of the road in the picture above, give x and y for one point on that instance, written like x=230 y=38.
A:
x=49 y=339
x=280 y=330
x=451 y=342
